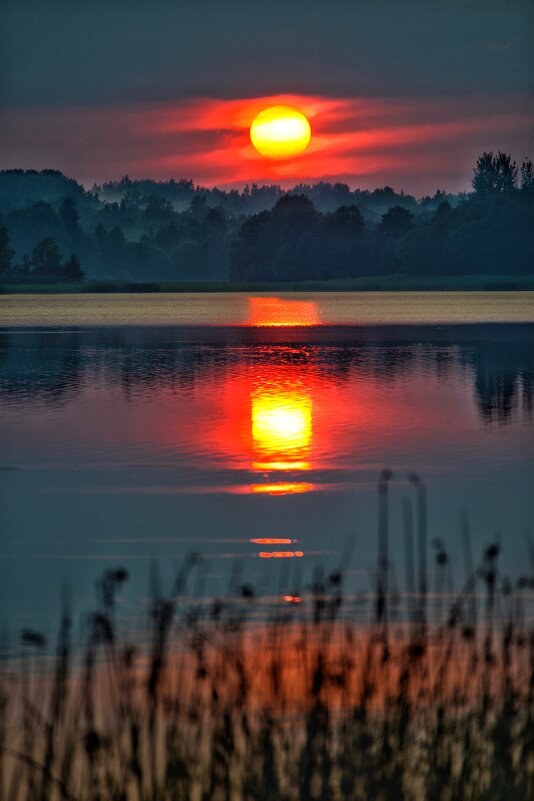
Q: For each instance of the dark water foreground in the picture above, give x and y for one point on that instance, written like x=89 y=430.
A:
x=211 y=704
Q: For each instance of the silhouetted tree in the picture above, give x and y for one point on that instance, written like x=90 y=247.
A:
x=216 y=219
x=25 y=267
x=69 y=215
x=278 y=244
x=167 y=237
x=198 y=207
x=348 y=217
x=396 y=222
x=158 y=209
x=73 y=269
x=46 y=257
x=527 y=176
x=494 y=174
x=342 y=244
x=484 y=175
x=415 y=254
x=6 y=251
x=506 y=170
x=443 y=218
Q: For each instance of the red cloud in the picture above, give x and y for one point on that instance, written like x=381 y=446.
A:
x=415 y=144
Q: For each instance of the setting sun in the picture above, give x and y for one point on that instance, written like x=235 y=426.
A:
x=280 y=132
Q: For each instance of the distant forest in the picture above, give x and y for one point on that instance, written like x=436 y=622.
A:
x=52 y=229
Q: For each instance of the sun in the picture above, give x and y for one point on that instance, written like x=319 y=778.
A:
x=280 y=132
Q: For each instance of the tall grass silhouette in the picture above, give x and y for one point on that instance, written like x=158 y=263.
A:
x=428 y=698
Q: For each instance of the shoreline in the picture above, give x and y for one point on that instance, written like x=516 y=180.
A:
x=446 y=334
x=384 y=283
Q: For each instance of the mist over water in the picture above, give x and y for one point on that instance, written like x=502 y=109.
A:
x=256 y=445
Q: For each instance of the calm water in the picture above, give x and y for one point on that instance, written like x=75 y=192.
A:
x=296 y=308
x=124 y=443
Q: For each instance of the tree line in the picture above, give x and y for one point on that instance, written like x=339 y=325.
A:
x=52 y=229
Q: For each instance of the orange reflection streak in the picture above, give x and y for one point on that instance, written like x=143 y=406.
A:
x=280 y=554
x=279 y=312
x=282 y=488
x=281 y=411
x=273 y=465
x=292 y=599
x=272 y=541
x=281 y=407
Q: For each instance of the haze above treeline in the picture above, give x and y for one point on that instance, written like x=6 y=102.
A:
x=52 y=228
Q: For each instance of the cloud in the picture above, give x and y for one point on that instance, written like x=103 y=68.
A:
x=417 y=144
x=500 y=47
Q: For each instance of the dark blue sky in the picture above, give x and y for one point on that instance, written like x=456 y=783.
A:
x=93 y=51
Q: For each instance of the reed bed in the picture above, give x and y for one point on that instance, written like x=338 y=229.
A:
x=300 y=702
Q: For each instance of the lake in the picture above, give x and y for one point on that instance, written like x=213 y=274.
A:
x=253 y=429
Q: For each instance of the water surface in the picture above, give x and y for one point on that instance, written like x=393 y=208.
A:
x=125 y=443
x=295 y=308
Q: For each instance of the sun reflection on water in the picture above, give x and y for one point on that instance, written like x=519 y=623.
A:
x=282 y=432
x=280 y=312
x=282 y=488
x=281 y=405
x=269 y=405
x=281 y=428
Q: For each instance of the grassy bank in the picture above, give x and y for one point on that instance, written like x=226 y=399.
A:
x=383 y=283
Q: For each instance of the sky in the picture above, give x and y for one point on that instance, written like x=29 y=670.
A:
x=397 y=92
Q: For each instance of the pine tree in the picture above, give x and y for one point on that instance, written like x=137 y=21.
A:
x=69 y=214
x=494 y=174
x=527 y=176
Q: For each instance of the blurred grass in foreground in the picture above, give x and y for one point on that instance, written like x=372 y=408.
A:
x=431 y=700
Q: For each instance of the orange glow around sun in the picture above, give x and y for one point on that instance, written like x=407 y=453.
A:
x=280 y=132
x=366 y=142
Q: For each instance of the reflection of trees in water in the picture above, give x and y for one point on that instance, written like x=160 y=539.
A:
x=49 y=367
x=503 y=378
x=40 y=367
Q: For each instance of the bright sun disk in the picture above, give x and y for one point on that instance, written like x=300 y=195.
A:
x=280 y=132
